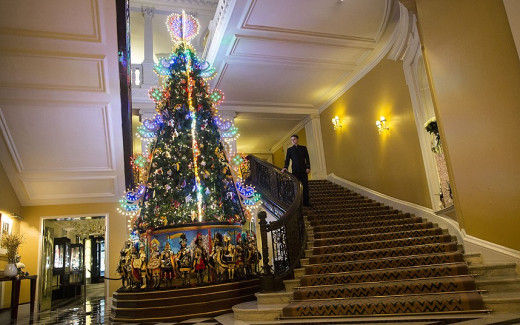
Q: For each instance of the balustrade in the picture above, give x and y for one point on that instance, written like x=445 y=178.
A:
x=282 y=197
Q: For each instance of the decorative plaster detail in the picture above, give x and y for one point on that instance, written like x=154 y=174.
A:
x=67 y=64
x=246 y=25
x=94 y=37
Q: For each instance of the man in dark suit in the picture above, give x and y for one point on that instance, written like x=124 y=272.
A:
x=301 y=166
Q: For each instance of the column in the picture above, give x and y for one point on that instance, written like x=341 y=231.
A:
x=315 y=146
x=149 y=76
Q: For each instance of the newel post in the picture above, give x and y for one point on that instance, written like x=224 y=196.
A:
x=262 y=216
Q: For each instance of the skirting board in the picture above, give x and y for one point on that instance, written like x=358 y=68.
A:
x=491 y=252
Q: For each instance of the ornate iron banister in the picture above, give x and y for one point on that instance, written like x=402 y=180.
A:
x=282 y=197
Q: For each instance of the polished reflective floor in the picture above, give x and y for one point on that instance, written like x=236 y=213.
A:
x=96 y=310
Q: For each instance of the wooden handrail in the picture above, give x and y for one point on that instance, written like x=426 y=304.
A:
x=282 y=194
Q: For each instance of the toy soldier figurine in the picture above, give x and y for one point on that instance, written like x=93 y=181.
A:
x=200 y=259
x=167 y=258
x=143 y=268
x=229 y=257
x=135 y=263
x=122 y=267
x=154 y=264
x=184 y=261
x=215 y=260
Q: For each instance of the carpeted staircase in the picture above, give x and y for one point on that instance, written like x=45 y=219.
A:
x=370 y=259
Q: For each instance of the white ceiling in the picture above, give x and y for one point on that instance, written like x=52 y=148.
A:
x=60 y=113
x=60 y=121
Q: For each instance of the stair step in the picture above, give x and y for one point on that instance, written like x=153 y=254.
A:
x=473 y=258
x=492 y=270
x=376 y=237
x=384 y=288
x=381 y=263
x=357 y=220
x=371 y=231
x=381 y=253
x=304 y=261
x=372 y=224
x=402 y=242
x=502 y=302
x=274 y=298
x=499 y=283
x=291 y=284
x=408 y=304
x=252 y=311
x=390 y=274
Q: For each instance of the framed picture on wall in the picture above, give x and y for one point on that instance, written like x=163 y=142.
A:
x=5 y=227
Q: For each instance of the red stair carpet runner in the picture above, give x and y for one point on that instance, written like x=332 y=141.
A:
x=370 y=259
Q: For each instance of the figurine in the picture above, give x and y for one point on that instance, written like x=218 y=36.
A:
x=241 y=248
x=215 y=260
x=184 y=261
x=167 y=263
x=229 y=257
x=200 y=259
x=122 y=267
x=139 y=269
x=154 y=264
x=253 y=256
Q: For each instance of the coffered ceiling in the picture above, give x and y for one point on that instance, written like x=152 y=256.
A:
x=278 y=62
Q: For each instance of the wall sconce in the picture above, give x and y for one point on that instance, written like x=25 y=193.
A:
x=336 y=123
x=381 y=125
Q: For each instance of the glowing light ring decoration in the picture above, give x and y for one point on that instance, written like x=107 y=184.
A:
x=203 y=65
x=145 y=134
x=155 y=94
x=133 y=196
x=140 y=161
x=245 y=190
x=209 y=73
x=217 y=96
x=182 y=27
x=151 y=125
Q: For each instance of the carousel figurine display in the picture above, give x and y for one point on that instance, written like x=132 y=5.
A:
x=167 y=264
x=154 y=264
x=184 y=261
x=200 y=259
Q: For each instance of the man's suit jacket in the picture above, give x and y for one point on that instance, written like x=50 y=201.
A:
x=299 y=157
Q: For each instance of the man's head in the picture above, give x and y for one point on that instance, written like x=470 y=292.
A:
x=294 y=139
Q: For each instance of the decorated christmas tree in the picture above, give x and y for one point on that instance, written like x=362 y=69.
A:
x=184 y=175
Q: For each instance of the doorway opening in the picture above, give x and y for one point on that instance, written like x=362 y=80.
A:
x=72 y=262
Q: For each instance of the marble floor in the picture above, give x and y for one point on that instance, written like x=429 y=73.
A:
x=96 y=310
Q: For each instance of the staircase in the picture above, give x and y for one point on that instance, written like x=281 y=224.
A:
x=365 y=260
x=370 y=259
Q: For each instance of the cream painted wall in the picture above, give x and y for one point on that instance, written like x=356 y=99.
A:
x=30 y=226
x=279 y=158
x=390 y=163
x=8 y=200
x=475 y=75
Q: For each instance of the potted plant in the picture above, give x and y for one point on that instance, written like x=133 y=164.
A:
x=11 y=242
x=432 y=128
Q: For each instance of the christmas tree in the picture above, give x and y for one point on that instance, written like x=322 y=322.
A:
x=185 y=175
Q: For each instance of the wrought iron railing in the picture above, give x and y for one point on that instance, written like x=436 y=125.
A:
x=282 y=197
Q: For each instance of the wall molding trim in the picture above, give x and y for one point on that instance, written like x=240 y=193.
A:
x=491 y=252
